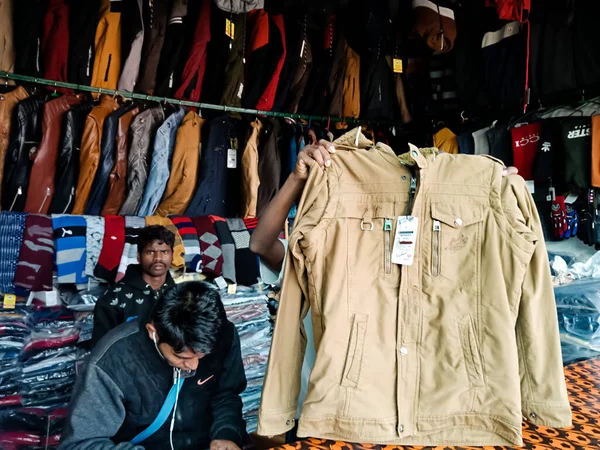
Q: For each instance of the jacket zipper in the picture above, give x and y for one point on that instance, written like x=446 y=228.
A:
x=387 y=228
x=45 y=198
x=19 y=192
x=436 y=248
x=70 y=200
x=413 y=190
x=107 y=68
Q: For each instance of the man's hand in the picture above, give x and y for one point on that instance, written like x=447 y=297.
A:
x=320 y=152
x=510 y=170
x=223 y=445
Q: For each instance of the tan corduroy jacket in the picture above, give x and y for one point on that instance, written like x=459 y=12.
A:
x=452 y=350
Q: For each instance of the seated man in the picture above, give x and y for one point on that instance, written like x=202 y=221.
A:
x=188 y=351
x=135 y=295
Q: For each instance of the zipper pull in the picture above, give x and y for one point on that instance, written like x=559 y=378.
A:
x=436 y=225
x=387 y=225
x=413 y=185
x=19 y=192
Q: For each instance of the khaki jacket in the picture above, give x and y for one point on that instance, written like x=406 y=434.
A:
x=184 y=170
x=250 y=178
x=452 y=350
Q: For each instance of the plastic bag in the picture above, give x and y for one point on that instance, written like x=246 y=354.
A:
x=578 y=307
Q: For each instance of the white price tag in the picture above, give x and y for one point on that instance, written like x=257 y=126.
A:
x=405 y=240
x=530 y=186
x=221 y=283
x=231 y=158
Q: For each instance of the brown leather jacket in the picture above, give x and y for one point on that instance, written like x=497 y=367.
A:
x=182 y=181
x=41 y=187
x=118 y=176
x=90 y=150
x=8 y=102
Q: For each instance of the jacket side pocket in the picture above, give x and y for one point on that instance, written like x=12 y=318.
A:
x=471 y=353
x=356 y=346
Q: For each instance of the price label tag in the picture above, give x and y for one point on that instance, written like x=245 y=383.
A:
x=221 y=283
x=232 y=289
x=229 y=29
x=398 y=65
x=231 y=158
x=405 y=240
x=10 y=301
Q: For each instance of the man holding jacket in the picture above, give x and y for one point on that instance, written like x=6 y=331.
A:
x=185 y=359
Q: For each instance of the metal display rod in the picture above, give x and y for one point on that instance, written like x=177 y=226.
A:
x=151 y=98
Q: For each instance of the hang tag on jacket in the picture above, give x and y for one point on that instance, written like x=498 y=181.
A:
x=405 y=241
x=10 y=301
x=229 y=29
x=398 y=65
x=231 y=158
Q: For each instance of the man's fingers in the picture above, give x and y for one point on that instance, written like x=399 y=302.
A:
x=315 y=153
x=325 y=154
x=511 y=170
x=328 y=146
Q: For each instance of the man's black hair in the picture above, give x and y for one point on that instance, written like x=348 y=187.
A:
x=190 y=316
x=155 y=233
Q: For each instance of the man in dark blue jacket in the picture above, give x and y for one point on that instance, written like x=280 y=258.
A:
x=188 y=343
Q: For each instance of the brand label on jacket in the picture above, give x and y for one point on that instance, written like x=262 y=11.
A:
x=405 y=240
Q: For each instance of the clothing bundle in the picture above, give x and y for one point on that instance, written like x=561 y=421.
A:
x=247 y=310
x=84 y=248
x=37 y=374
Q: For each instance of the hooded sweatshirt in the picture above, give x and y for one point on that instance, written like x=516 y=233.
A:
x=129 y=298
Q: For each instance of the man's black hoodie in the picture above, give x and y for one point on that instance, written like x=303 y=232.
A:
x=126 y=382
x=129 y=298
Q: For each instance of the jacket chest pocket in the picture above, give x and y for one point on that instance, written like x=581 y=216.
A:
x=456 y=241
x=370 y=242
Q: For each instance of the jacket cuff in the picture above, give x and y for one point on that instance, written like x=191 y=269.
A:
x=552 y=415
x=275 y=424
x=228 y=434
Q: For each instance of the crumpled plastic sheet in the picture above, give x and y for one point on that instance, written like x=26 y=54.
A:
x=41 y=341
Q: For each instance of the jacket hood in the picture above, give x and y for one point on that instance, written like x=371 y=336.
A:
x=133 y=278
x=240 y=6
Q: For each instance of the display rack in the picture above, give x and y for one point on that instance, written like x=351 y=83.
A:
x=200 y=106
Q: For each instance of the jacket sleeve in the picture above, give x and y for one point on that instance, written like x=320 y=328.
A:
x=96 y=413
x=281 y=388
x=106 y=316
x=228 y=423
x=544 y=399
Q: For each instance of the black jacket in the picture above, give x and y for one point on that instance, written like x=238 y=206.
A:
x=99 y=189
x=131 y=297
x=67 y=165
x=26 y=135
x=126 y=383
x=83 y=20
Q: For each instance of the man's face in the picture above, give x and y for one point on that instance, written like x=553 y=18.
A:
x=187 y=360
x=155 y=259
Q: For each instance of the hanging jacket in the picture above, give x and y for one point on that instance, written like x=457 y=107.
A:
x=435 y=23
x=210 y=197
x=160 y=166
x=118 y=175
x=337 y=74
x=377 y=89
x=250 y=177
x=233 y=84
x=8 y=104
x=83 y=21
x=195 y=67
x=267 y=99
x=209 y=406
x=351 y=104
x=172 y=49
x=106 y=161
x=217 y=54
x=511 y=9
x=239 y=6
x=107 y=48
x=132 y=39
x=28 y=18
x=184 y=167
x=7 y=48
x=43 y=170
x=142 y=132
x=55 y=41
x=25 y=137
x=269 y=164
x=303 y=67
x=67 y=164
x=155 y=14
x=90 y=150
x=466 y=354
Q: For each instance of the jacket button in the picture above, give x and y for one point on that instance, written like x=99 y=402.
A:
x=404 y=351
x=401 y=428
x=1 y=97
x=458 y=222
x=415 y=154
x=289 y=422
x=533 y=416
